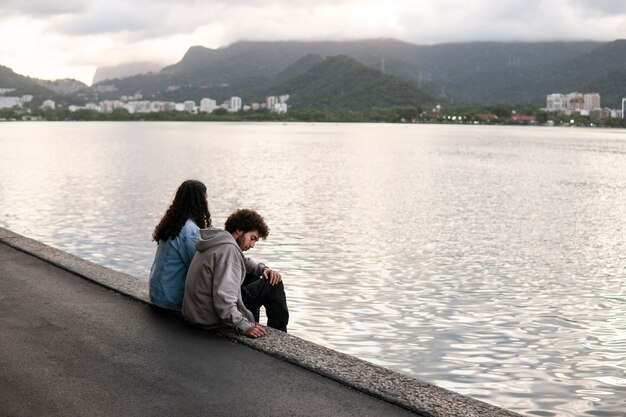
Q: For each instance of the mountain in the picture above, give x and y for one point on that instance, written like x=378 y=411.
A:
x=300 y=67
x=63 y=87
x=124 y=70
x=22 y=85
x=475 y=72
x=343 y=83
x=602 y=70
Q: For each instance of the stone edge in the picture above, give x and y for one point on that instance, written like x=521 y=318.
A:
x=412 y=394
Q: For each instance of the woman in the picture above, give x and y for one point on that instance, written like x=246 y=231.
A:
x=176 y=236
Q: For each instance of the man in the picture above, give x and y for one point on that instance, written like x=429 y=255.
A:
x=215 y=292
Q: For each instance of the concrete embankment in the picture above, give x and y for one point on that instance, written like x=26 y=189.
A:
x=73 y=348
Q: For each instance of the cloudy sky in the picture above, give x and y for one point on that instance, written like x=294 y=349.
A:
x=70 y=38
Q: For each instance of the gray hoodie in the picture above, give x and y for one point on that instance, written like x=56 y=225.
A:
x=213 y=288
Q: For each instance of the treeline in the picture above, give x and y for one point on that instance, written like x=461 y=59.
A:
x=500 y=114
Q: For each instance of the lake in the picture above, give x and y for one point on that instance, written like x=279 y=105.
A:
x=489 y=260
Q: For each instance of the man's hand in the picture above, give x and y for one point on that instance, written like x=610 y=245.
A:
x=256 y=331
x=273 y=276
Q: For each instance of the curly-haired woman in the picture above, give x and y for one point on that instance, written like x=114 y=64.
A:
x=176 y=236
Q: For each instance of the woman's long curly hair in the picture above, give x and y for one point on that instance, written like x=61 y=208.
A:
x=190 y=202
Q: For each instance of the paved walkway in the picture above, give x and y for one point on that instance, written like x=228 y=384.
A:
x=69 y=347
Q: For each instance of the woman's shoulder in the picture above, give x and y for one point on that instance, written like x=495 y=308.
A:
x=190 y=228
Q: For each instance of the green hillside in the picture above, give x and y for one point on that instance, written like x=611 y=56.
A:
x=475 y=72
x=22 y=85
x=602 y=70
x=342 y=83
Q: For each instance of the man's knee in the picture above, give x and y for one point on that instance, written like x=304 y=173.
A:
x=278 y=291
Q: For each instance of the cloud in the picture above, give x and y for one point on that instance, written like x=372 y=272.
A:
x=84 y=34
x=107 y=18
x=599 y=7
x=38 y=8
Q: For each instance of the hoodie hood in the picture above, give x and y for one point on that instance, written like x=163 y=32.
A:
x=212 y=237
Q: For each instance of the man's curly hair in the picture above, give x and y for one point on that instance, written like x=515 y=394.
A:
x=189 y=203
x=247 y=220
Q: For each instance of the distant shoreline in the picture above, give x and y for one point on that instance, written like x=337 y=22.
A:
x=396 y=115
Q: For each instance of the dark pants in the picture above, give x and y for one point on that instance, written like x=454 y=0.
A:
x=257 y=292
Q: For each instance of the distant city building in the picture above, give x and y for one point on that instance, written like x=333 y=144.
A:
x=159 y=106
x=104 y=88
x=10 y=102
x=575 y=101
x=156 y=106
x=556 y=102
x=591 y=101
x=48 y=104
x=280 y=108
x=139 y=106
x=524 y=119
x=134 y=104
x=207 y=105
x=92 y=106
x=189 y=106
x=270 y=101
x=276 y=104
x=235 y=104
x=487 y=116
x=107 y=106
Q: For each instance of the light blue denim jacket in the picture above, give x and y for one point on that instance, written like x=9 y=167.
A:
x=169 y=269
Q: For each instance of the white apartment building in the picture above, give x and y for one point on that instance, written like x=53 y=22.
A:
x=189 y=106
x=48 y=104
x=556 y=102
x=591 y=101
x=573 y=102
x=92 y=106
x=108 y=106
x=235 y=104
x=208 y=105
x=270 y=101
x=10 y=102
x=280 y=108
x=140 y=106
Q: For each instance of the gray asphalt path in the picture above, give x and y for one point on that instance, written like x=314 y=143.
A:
x=69 y=347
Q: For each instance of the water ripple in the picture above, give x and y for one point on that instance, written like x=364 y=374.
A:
x=488 y=260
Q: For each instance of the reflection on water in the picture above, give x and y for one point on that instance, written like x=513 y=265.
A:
x=488 y=260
